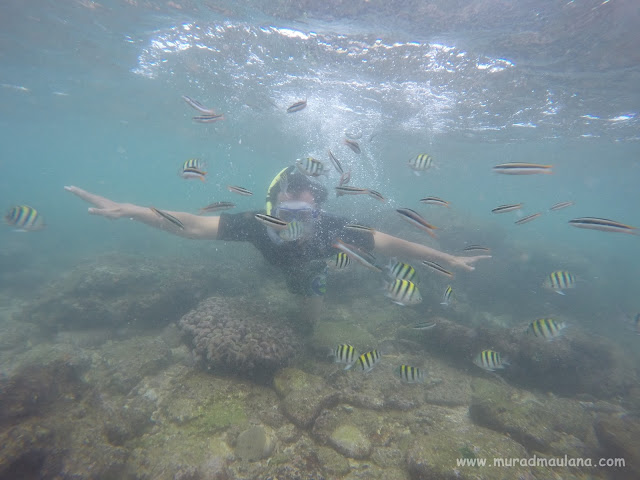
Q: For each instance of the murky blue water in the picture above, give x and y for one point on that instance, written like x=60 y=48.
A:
x=91 y=96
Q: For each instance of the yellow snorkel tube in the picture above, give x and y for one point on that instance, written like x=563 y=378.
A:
x=275 y=188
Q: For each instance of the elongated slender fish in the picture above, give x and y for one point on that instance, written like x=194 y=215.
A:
x=336 y=163
x=296 y=107
x=377 y=195
x=198 y=106
x=476 y=248
x=528 y=218
x=349 y=190
x=345 y=178
x=361 y=228
x=239 y=190
x=415 y=219
x=435 y=201
x=602 y=224
x=271 y=221
x=437 y=267
x=357 y=254
x=209 y=118
x=520 y=168
x=560 y=206
x=168 y=217
x=216 y=207
x=353 y=145
x=424 y=325
x=507 y=208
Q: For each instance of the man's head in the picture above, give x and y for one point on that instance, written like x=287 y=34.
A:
x=294 y=190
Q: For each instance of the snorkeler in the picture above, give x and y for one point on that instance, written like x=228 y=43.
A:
x=300 y=250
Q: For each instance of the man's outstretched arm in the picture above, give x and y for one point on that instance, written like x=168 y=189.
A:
x=194 y=225
x=393 y=246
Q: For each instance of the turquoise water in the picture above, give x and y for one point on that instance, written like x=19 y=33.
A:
x=91 y=96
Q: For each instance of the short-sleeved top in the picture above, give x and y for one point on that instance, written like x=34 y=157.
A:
x=287 y=255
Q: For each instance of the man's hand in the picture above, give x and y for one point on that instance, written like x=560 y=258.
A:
x=104 y=206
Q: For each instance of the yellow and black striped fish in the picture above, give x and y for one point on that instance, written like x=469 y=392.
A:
x=559 y=281
x=446 y=297
x=193 y=168
x=340 y=261
x=311 y=167
x=490 y=360
x=402 y=271
x=24 y=218
x=403 y=292
x=409 y=374
x=368 y=360
x=546 y=328
x=346 y=354
x=421 y=163
x=293 y=232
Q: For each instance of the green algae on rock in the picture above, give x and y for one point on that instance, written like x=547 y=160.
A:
x=350 y=441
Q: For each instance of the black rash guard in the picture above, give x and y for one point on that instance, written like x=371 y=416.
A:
x=299 y=259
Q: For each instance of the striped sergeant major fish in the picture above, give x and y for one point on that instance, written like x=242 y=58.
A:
x=421 y=163
x=239 y=190
x=24 y=218
x=507 y=208
x=168 y=217
x=415 y=219
x=293 y=232
x=345 y=354
x=560 y=280
x=340 y=261
x=311 y=167
x=297 y=106
x=364 y=258
x=409 y=374
x=490 y=360
x=602 y=224
x=446 y=297
x=198 y=106
x=193 y=168
x=521 y=168
x=546 y=328
x=403 y=292
x=401 y=271
x=368 y=360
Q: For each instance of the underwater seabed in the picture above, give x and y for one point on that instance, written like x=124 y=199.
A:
x=134 y=368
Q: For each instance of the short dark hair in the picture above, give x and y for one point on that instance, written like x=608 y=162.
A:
x=298 y=182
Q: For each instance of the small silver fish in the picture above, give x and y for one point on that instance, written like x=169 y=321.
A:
x=602 y=224
x=239 y=190
x=437 y=267
x=345 y=178
x=560 y=206
x=353 y=145
x=296 y=107
x=507 y=208
x=198 y=106
x=209 y=118
x=364 y=258
x=528 y=218
x=216 y=207
x=271 y=221
x=168 y=217
x=424 y=325
x=520 y=168
x=336 y=163
x=415 y=219
x=435 y=201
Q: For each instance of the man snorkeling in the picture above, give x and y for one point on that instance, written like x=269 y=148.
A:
x=300 y=250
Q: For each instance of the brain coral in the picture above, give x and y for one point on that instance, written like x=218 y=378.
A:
x=240 y=337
